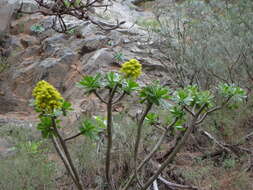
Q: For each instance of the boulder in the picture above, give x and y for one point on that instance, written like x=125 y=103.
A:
x=52 y=44
x=6 y=12
x=93 y=43
x=8 y=8
x=27 y=5
x=99 y=61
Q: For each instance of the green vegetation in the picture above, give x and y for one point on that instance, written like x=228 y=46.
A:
x=188 y=108
x=119 y=56
x=37 y=28
x=72 y=31
x=146 y=130
x=75 y=3
x=28 y=166
x=4 y=64
x=149 y=24
x=229 y=163
x=208 y=42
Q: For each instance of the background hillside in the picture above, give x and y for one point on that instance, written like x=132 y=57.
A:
x=178 y=43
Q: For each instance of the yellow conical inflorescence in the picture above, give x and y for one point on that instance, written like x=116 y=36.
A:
x=131 y=69
x=47 y=98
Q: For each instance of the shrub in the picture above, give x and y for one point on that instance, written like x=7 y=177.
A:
x=28 y=167
x=4 y=63
x=208 y=42
x=149 y=24
x=37 y=28
x=229 y=163
x=189 y=107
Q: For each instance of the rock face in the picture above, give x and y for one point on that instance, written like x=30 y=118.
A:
x=6 y=11
x=99 y=61
x=62 y=59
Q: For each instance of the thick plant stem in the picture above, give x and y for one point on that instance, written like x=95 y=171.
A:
x=65 y=162
x=177 y=148
x=109 y=136
x=67 y=154
x=109 y=143
x=138 y=136
x=149 y=156
x=171 y=156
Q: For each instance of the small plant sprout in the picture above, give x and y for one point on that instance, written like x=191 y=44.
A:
x=37 y=28
x=119 y=56
x=4 y=64
x=72 y=4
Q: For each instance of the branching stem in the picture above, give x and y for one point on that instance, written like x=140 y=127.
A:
x=67 y=154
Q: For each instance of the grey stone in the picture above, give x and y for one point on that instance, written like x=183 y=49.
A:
x=8 y=102
x=32 y=51
x=88 y=29
x=152 y=65
x=67 y=57
x=52 y=44
x=28 y=5
x=7 y=9
x=100 y=59
x=48 y=63
x=6 y=12
x=93 y=43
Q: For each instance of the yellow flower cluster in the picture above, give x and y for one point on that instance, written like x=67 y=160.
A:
x=131 y=69
x=47 y=98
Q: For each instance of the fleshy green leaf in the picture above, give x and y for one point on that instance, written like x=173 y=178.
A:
x=112 y=79
x=66 y=106
x=45 y=126
x=180 y=128
x=151 y=118
x=154 y=93
x=182 y=97
x=177 y=112
x=91 y=128
x=90 y=83
x=129 y=86
x=233 y=91
x=37 y=28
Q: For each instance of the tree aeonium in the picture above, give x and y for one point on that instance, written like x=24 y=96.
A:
x=131 y=69
x=47 y=98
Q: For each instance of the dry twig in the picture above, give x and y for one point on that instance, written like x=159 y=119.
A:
x=81 y=10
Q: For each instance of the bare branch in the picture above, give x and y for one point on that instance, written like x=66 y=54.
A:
x=99 y=97
x=155 y=185
x=152 y=152
x=64 y=160
x=170 y=184
x=244 y=138
x=177 y=148
x=189 y=111
x=119 y=98
x=72 y=137
x=216 y=141
x=109 y=129
x=138 y=139
x=67 y=155
x=59 y=8
x=213 y=110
